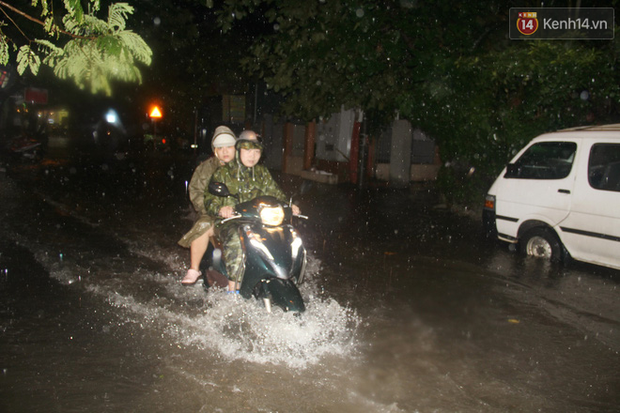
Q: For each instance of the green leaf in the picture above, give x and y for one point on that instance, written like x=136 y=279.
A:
x=34 y=64
x=24 y=58
x=117 y=15
x=4 y=50
x=74 y=8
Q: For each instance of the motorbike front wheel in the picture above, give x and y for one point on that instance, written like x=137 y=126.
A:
x=282 y=293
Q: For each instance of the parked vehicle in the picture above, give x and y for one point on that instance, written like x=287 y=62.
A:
x=26 y=148
x=560 y=197
x=274 y=255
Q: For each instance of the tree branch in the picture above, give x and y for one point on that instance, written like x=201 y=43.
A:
x=27 y=16
x=12 y=21
x=21 y=13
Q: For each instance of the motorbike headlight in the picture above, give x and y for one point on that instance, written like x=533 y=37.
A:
x=272 y=215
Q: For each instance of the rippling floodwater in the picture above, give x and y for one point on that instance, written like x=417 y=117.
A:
x=409 y=310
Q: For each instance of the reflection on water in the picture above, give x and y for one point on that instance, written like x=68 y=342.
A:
x=582 y=295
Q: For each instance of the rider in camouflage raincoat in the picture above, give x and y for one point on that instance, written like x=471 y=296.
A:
x=248 y=183
x=197 y=239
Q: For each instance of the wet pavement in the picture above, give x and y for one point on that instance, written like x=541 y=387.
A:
x=410 y=307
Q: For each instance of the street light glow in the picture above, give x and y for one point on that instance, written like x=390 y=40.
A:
x=111 y=116
x=155 y=113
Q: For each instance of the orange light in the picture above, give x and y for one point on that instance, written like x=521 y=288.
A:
x=489 y=202
x=155 y=113
x=163 y=141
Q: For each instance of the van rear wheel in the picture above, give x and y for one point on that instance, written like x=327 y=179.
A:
x=542 y=243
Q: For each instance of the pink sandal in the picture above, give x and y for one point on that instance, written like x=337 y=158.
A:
x=191 y=277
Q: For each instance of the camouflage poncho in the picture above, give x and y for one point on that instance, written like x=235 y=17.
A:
x=197 y=187
x=248 y=183
x=198 y=184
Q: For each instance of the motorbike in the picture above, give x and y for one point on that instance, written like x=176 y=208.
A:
x=274 y=255
x=26 y=148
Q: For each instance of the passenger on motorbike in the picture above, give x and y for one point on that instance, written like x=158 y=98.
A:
x=197 y=239
x=247 y=179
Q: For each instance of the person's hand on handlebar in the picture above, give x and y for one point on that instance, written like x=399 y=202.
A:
x=227 y=212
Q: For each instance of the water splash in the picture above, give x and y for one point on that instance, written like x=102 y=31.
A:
x=242 y=329
x=236 y=328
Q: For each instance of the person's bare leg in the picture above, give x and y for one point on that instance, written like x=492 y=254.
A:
x=197 y=249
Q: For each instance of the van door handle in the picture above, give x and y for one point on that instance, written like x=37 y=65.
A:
x=564 y=191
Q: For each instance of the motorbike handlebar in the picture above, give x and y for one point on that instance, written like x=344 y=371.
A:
x=231 y=218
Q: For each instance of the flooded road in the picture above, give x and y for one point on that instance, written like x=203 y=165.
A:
x=410 y=308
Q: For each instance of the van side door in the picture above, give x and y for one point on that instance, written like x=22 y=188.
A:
x=536 y=187
x=591 y=232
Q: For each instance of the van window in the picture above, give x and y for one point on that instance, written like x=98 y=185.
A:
x=604 y=167
x=544 y=160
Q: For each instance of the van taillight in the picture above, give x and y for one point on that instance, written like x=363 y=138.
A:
x=489 y=202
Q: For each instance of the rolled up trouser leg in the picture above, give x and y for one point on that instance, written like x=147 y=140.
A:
x=233 y=254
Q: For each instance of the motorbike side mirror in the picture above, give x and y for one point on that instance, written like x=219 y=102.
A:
x=306 y=186
x=220 y=189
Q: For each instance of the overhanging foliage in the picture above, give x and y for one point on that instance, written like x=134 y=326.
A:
x=449 y=69
x=91 y=52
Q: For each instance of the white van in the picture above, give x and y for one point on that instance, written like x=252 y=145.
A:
x=561 y=195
